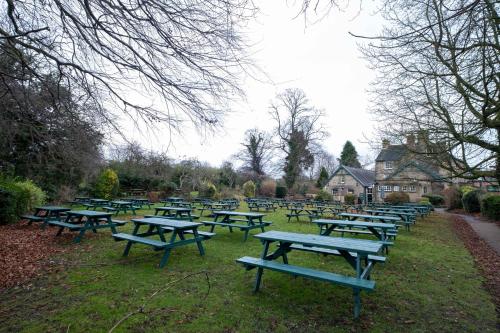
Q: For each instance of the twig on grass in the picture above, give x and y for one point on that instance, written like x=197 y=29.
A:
x=167 y=286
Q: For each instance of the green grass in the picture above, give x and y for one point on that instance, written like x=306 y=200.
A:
x=429 y=284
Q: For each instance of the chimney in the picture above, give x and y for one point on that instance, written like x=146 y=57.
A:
x=385 y=144
x=410 y=140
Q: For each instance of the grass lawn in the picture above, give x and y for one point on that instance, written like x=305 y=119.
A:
x=429 y=284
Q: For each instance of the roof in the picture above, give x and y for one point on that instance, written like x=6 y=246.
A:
x=425 y=168
x=364 y=177
x=392 y=153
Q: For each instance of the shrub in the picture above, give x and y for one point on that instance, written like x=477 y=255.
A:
x=107 y=184
x=434 y=199
x=249 y=189
x=17 y=198
x=466 y=188
x=397 y=197
x=207 y=190
x=167 y=188
x=350 y=199
x=323 y=196
x=470 y=201
x=281 y=192
x=452 y=198
x=490 y=207
x=267 y=188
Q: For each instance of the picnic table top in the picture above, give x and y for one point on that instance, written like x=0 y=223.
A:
x=356 y=223
x=53 y=208
x=121 y=202
x=174 y=199
x=178 y=224
x=233 y=213
x=181 y=209
x=371 y=217
x=89 y=213
x=338 y=243
x=99 y=200
x=388 y=212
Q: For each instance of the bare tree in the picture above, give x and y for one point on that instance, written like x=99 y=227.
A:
x=256 y=153
x=322 y=159
x=299 y=130
x=439 y=75
x=159 y=61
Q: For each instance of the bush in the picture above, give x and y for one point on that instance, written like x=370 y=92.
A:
x=466 y=188
x=281 y=192
x=434 y=199
x=167 y=188
x=268 y=188
x=490 y=207
x=249 y=189
x=17 y=198
x=350 y=199
x=397 y=197
x=452 y=198
x=207 y=190
x=107 y=184
x=323 y=196
x=471 y=202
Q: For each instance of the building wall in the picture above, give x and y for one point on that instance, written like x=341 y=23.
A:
x=344 y=183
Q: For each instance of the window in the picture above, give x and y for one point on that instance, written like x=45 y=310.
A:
x=413 y=188
x=350 y=191
x=425 y=189
x=386 y=188
x=342 y=179
x=396 y=188
x=335 y=191
x=405 y=188
x=388 y=165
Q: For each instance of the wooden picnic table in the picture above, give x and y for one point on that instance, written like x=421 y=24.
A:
x=372 y=218
x=311 y=213
x=247 y=221
x=83 y=220
x=407 y=218
x=46 y=213
x=360 y=254
x=179 y=213
x=187 y=232
x=382 y=231
x=118 y=206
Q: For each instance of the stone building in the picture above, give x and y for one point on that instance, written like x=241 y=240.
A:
x=398 y=169
x=356 y=181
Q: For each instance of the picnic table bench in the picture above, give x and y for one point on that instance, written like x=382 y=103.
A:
x=358 y=253
x=118 y=206
x=178 y=213
x=249 y=221
x=83 y=220
x=297 y=212
x=157 y=227
x=407 y=218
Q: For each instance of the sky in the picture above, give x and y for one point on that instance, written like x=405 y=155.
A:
x=320 y=58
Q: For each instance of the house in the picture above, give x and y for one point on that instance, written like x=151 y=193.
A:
x=399 y=169
x=355 y=181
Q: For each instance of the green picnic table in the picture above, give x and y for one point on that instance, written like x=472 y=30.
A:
x=45 y=213
x=83 y=220
x=372 y=218
x=382 y=231
x=187 y=232
x=311 y=213
x=362 y=255
x=407 y=218
x=180 y=213
x=118 y=206
x=246 y=221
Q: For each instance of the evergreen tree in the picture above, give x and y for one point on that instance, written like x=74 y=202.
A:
x=323 y=178
x=349 y=156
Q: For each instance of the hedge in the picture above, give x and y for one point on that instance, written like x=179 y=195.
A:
x=397 y=197
x=490 y=207
x=434 y=199
x=471 y=202
x=18 y=197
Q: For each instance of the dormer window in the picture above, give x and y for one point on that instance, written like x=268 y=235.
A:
x=342 y=179
x=388 y=165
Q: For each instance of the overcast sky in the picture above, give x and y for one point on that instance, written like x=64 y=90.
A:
x=321 y=58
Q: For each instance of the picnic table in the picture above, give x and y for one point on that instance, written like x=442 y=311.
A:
x=45 y=213
x=120 y=205
x=187 y=232
x=382 y=231
x=83 y=220
x=311 y=213
x=213 y=206
x=406 y=217
x=94 y=203
x=140 y=202
x=362 y=255
x=179 y=213
x=247 y=221
x=371 y=218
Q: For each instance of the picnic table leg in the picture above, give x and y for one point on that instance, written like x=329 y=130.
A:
x=357 y=303
x=246 y=235
x=166 y=255
x=198 y=241
x=260 y=270
x=129 y=243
